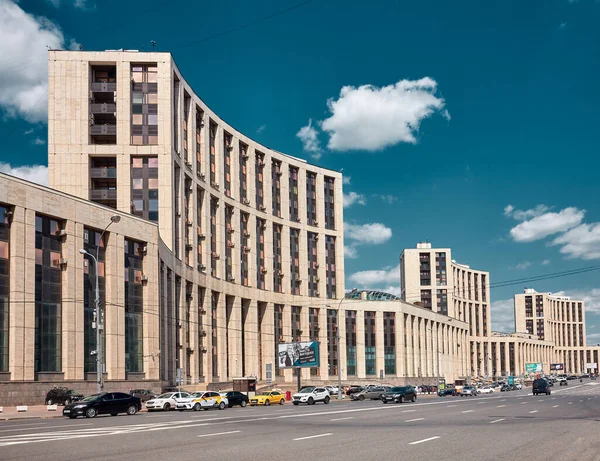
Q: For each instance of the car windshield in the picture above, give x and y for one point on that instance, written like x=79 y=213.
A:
x=263 y=394
x=306 y=390
x=91 y=398
x=165 y=396
x=197 y=394
x=398 y=389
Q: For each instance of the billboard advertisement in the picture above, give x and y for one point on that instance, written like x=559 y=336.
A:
x=298 y=354
x=533 y=367
x=591 y=366
x=557 y=366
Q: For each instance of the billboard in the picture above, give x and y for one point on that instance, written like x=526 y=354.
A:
x=557 y=366
x=533 y=367
x=591 y=366
x=298 y=354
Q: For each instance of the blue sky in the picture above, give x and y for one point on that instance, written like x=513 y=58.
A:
x=441 y=115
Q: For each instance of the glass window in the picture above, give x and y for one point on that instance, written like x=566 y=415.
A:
x=152 y=98
x=137 y=119
x=137 y=140
x=39 y=256
x=4 y=250
x=153 y=162
x=137 y=162
x=153 y=205
x=138 y=205
x=152 y=139
x=136 y=109
x=138 y=183
x=152 y=119
x=152 y=183
x=138 y=98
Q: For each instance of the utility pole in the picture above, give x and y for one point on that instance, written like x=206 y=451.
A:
x=339 y=351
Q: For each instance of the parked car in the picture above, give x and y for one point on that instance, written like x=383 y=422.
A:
x=267 y=398
x=202 y=400
x=447 y=391
x=519 y=386
x=333 y=390
x=372 y=393
x=469 y=391
x=541 y=386
x=563 y=383
x=236 y=398
x=485 y=390
x=109 y=403
x=505 y=388
x=166 y=401
x=143 y=394
x=353 y=389
x=311 y=395
x=62 y=396
x=400 y=394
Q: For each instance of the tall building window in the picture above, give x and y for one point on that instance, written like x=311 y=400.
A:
x=144 y=187
x=95 y=246
x=212 y=128
x=425 y=269
x=5 y=214
x=332 y=341
x=201 y=332
x=244 y=248
x=313 y=332
x=440 y=269
x=227 y=149
x=276 y=187
x=103 y=107
x=134 y=306
x=200 y=237
x=277 y=260
x=389 y=342
x=259 y=181
x=294 y=261
x=370 y=343
x=528 y=306
x=214 y=206
x=329 y=203
x=199 y=156
x=186 y=122
x=187 y=213
x=278 y=324
x=176 y=125
x=313 y=266
x=177 y=208
x=442 y=301
x=103 y=181
x=294 y=216
x=476 y=286
x=351 y=343
x=261 y=269
x=311 y=198
x=483 y=288
x=229 y=244
x=243 y=161
x=296 y=323
x=426 y=299
x=214 y=304
x=144 y=104
x=330 y=271
x=48 y=294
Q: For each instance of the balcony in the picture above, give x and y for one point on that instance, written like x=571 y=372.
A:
x=103 y=108
x=103 y=194
x=103 y=87
x=101 y=173
x=108 y=130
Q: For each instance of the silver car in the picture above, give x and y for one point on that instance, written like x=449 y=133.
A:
x=370 y=393
x=468 y=390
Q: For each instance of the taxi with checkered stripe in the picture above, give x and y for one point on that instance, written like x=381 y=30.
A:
x=202 y=400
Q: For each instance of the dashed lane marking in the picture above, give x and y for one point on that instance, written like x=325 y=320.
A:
x=342 y=419
x=413 y=420
x=314 y=436
x=429 y=439
x=497 y=420
x=219 y=433
x=533 y=411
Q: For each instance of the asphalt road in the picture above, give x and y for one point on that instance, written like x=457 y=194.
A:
x=502 y=426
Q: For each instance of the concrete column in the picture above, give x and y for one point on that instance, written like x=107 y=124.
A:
x=221 y=339
x=323 y=356
x=251 y=339
x=360 y=345
x=287 y=337
x=72 y=311
x=400 y=345
x=343 y=356
x=268 y=340
x=410 y=365
x=114 y=324
x=151 y=317
x=234 y=334
x=379 y=343
x=507 y=357
x=305 y=336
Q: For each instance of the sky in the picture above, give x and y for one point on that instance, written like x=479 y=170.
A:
x=470 y=125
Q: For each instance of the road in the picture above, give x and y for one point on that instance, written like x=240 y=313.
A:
x=501 y=426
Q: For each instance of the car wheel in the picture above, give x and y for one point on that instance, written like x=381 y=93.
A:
x=401 y=399
x=243 y=404
x=196 y=407
x=167 y=406
x=326 y=401
x=90 y=413
x=267 y=403
x=222 y=406
x=414 y=398
x=384 y=401
x=361 y=397
x=67 y=401
x=311 y=401
x=282 y=401
x=49 y=402
x=73 y=416
x=230 y=405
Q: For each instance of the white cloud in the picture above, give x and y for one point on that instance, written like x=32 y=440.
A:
x=374 y=233
x=581 y=242
x=261 y=129
x=23 y=61
x=592 y=339
x=76 y=3
x=543 y=225
x=591 y=297
x=350 y=251
x=33 y=173
x=563 y=25
x=346 y=180
x=310 y=140
x=383 y=276
x=29 y=131
x=545 y=262
x=508 y=209
x=373 y=118
x=388 y=198
x=38 y=141
x=522 y=265
x=522 y=215
x=503 y=316
x=351 y=198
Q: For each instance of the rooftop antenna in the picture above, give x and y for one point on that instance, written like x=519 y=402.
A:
x=153 y=42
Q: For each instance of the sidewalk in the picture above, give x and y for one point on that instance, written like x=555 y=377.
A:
x=33 y=412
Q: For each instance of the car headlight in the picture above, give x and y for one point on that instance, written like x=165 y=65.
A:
x=79 y=406
x=396 y=395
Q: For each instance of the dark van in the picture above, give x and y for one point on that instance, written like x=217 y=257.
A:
x=541 y=386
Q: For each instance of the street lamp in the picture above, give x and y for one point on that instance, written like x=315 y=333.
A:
x=99 y=326
x=339 y=349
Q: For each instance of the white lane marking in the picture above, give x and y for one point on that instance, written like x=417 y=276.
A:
x=342 y=419
x=555 y=406
x=553 y=398
x=589 y=398
x=570 y=403
x=467 y=411
x=9 y=424
x=424 y=440
x=314 y=436
x=580 y=401
x=219 y=433
x=412 y=420
x=20 y=429
x=497 y=420
x=450 y=406
x=408 y=411
x=533 y=411
x=503 y=400
x=500 y=406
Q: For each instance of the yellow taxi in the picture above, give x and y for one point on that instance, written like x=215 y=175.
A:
x=202 y=401
x=266 y=398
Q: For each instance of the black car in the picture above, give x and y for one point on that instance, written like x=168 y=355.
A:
x=540 y=386
x=505 y=388
x=108 y=403
x=62 y=396
x=447 y=391
x=400 y=394
x=142 y=394
x=237 y=398
x=354 y=389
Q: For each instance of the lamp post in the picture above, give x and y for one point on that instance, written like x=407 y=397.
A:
x=339 y=350
x=98 y=315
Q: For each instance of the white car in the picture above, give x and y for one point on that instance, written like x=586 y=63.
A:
x=519 y=386
x=486 y=390
x=333 y=390
x=166 y=401
x=311 y=395
x=202 y=400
